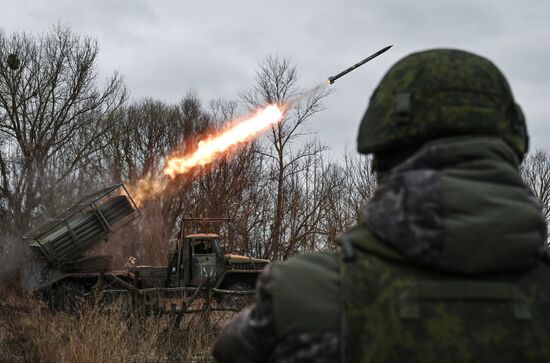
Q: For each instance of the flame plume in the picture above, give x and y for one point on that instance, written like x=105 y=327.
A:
x=238 y=132
x=210 y=148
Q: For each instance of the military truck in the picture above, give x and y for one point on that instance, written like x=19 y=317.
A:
x=198 y=260
x=198 y=257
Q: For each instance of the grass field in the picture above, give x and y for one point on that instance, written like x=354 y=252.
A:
x=30 y=333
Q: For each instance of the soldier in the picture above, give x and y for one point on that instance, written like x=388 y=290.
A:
x=449 y=264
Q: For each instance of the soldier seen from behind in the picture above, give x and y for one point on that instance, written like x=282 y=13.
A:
x=449 y=264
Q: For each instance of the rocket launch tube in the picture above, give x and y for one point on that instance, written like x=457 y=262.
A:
x=61 y=246
x=89 y=234
x=85 y=223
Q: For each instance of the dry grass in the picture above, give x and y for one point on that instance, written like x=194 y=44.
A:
x=28 y=333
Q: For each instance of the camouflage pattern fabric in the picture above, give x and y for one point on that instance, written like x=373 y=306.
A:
x=437 y=94
x=459 y=205
x=397 y=312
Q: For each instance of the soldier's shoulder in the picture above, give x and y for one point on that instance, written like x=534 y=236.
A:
x=305 y=292
x=309 y=270
x=361 y=238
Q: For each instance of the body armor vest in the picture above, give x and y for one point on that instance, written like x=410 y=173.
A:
x=394 y=312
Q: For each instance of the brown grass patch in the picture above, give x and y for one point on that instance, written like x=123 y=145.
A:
x=30 y=333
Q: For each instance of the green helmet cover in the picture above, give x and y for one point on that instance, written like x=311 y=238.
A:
x=441 y=93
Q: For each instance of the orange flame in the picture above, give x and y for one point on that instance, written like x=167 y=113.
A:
x=238 y=133
x=209 y=149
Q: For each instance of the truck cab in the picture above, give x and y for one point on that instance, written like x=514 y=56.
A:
x=198 y=257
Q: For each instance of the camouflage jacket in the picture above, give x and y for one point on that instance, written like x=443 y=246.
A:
x=448 y=266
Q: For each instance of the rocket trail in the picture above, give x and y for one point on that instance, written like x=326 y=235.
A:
x=236 y=132
x=214 y=145
x=210 y=148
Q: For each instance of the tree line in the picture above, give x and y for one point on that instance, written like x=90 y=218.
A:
x=64 y=134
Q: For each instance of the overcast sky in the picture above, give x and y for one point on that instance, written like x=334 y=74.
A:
x=166 y=48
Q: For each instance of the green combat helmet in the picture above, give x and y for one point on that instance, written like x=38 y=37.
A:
x=436 y=94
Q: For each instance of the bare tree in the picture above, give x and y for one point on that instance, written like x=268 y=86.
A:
x=147 y=131
x=356 y=185
x=52 y=118
x=361 y=183
x=535 y=171
x=277 y=82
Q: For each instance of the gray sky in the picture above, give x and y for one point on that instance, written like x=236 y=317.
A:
x=166 y=48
